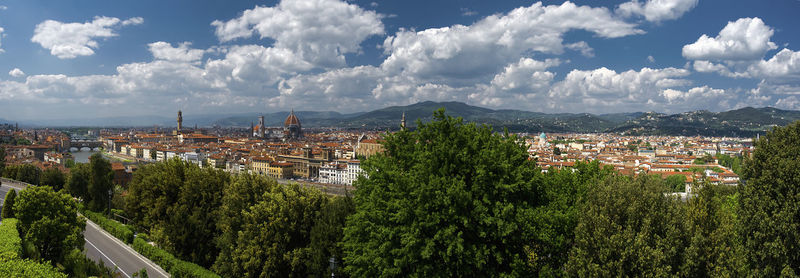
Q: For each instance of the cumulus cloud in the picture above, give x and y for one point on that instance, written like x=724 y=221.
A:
x=656 y=10
x=692 y=95
x=581 y=47
x=651 y=59
x=482 y=49
x=133 y=21
x=527 y=74
x=743 y=39
x=784 y=65
x=165 y=51
x=321 y=31
x=70 y=40
x=1 y=40
x=16 y=72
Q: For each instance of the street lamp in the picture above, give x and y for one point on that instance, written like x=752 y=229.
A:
x=333 y=264
x=110 y=195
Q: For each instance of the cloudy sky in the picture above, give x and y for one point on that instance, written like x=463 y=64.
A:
x=79 y=59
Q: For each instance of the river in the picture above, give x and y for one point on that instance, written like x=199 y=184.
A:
x=82 y=156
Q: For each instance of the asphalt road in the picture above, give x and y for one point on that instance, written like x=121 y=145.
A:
x=102 y=246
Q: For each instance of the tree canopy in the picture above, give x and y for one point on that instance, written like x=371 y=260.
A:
x=49 y=221
x=447 y=199
x=770 y=203
x=54 y=178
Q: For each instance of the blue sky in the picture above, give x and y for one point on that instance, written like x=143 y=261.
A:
x=80 y=59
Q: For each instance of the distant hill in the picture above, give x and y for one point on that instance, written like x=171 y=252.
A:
x=743 y=122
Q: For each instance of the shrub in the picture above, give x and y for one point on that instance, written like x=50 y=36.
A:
x=29 y=268
x=10 y=242
x=119 y=230
x=175 y=267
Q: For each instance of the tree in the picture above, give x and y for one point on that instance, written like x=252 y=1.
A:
x=768 y=207
x=28 y=173
x=326 y=234
x=176 y=202
x=8 y=204
x=676 y=183
x=447 y=199
x=715 y=249
x=78 y=181
x=54 y=178
x=275 y=236
x=240 y=194
x=2 y=160
x=49 y=221
x=100 y=182
x=556 y=151
x=628 y=227
x=191 y=227
x=565 y=192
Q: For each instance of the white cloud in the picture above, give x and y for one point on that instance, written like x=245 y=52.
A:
x=3 y=8
x=165 y=51
x=16 y=72
x=651 y=59
x=656 y=10
x=784 y=65
x=70 y=40
x=320 y=31
x=743 y=39
x=133 y=21
x=461 y=53
x=1 y=39
x=527 y=74
x=581 y=47
x=692 y=95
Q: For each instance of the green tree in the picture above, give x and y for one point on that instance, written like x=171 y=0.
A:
x=565 y=192
x=2 y=160
x=628 y=227
x=8 y=204
x=177 y=203
x=100 y=182
x=715 y=249
x=326 y=234
x=447 y=199
x=241 y=193
x=28 y=173
x=49 y=221
x=675 y=183
x=275 y=236
x=191 y=228
x=78 y=181
x=769 y=210
x=54 y=178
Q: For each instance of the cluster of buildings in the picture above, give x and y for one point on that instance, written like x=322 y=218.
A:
x=634 y=155
x=332 y=156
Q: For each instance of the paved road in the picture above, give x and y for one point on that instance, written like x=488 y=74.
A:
x=101 y=246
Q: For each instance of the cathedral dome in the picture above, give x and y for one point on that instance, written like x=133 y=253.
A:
x=291 y=120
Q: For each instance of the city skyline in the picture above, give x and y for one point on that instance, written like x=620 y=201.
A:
x=96 y=59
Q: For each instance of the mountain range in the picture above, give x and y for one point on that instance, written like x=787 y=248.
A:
x=743 y=122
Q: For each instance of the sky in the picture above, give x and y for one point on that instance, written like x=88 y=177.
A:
x=84 y=59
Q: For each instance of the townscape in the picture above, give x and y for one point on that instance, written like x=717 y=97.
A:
x=330 y=157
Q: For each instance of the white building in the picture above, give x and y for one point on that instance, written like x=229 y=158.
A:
x=340 y=172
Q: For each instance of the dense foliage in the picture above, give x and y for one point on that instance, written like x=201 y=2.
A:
x=770 y=204
x=49 y=221
x=23 y=172
x=8 y=204
x=448 y=199
x=177 y=203
x=168 y=262
x=100 y=183
x=10 y=242
x=54 y=178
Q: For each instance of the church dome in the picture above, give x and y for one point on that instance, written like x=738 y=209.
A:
x=291 y=120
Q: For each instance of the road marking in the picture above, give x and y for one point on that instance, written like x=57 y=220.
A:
x=107 y=258
x=128 y=248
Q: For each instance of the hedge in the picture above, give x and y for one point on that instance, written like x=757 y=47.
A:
x=176 y=267
x=119 y=230
x=10 y=242
x=10 y=251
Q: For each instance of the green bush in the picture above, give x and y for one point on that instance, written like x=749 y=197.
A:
x=28 y=268
x=10 y=242
x=119 y=230
x=175 y=267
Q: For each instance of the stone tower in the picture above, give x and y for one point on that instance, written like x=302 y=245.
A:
x=180 y=120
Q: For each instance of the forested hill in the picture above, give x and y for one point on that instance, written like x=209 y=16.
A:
x=744 y=122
